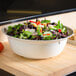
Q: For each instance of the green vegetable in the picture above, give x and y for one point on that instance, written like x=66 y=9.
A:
x=16 y=36
x=45 y=27
x=22 y=36
x=40 y=33
x=27 y=33
x=33 y=37
x=59 y=26
x=38 y=30
x=64 y=30
x=46 y=37
x=45 y=21
x=15 y=32
x=23 y=30
x=54 y=36
x=52 y=28
x=9 y=29
x=17 y=26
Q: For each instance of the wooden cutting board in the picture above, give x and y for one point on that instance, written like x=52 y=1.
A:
x=57 y=66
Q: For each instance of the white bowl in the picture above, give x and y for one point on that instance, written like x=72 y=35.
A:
x=38 y=49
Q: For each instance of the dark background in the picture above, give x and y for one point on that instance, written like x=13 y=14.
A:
x=44 y=6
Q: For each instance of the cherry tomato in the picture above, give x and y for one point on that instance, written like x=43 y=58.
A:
x=1 y=47
x=59 y=30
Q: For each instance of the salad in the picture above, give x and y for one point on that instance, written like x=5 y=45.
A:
x=38 y=30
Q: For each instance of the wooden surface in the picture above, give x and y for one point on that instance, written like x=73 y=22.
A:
x=57 y=66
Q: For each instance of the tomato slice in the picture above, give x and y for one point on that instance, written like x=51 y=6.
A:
x=46 y=34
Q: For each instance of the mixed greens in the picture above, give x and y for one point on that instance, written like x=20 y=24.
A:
x=38 y=30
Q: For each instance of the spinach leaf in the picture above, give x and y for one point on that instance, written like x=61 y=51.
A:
x=59 y=25
x=9 y=29
x=27 y=33
x=45 y=21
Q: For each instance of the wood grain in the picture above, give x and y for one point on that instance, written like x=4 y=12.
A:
x=56 y=66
